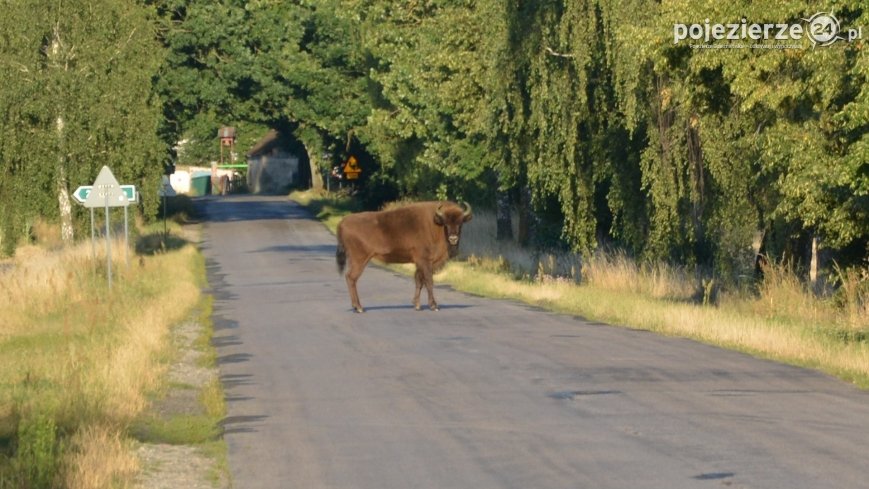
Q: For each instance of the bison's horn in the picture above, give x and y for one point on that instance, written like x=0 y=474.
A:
x=467 y=211
x=439 y=212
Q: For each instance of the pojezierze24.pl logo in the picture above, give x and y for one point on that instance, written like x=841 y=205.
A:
x=822 y=29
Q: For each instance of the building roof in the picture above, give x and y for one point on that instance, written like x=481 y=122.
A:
x=267 y=144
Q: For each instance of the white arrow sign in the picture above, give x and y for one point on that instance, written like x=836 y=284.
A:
x=81 y=194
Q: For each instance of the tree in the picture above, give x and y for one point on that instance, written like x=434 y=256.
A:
x=585 y=113
x=76 y=95
x=743 y=141
x=429 y=103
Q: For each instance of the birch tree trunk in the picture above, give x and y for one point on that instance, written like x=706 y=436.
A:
x=63 y=200
x=57 y=61
x=814 y=266
x=756 y=247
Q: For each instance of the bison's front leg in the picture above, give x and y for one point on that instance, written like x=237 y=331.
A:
x=424 y=276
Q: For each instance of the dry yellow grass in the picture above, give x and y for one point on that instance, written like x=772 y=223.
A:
x=619 y=272
x=86 y=357
x=609 y=271
x=99 y=458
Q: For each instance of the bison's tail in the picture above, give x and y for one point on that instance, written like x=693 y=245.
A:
x=340 y=257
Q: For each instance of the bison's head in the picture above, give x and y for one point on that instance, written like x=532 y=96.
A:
x=451 y=217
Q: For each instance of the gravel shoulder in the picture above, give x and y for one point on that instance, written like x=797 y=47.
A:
x=192 y=371
x=172 y=466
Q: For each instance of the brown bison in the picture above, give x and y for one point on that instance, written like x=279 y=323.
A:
x=425 y=234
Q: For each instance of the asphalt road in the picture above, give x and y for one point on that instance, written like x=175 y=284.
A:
x=485 y=393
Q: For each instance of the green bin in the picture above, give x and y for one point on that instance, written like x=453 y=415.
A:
x=200 y=185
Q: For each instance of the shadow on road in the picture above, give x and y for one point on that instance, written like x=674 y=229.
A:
x=247 y=208
x=234 y=380
x=224 y=341
x=241 y=424
x=714 y=476
x=320 y=248
x=392 y=307
x=234 y=358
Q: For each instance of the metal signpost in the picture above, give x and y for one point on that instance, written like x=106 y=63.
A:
x=106 y=192
x=82 y=193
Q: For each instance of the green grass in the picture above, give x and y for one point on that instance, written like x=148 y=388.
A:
x=781 y=321
x=181 y=429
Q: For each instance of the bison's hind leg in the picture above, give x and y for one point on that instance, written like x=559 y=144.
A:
x=354 y=271
x=354 y=294
x=418 y=277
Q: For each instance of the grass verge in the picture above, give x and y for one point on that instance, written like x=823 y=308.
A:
x=77 y=361
x=326 y=207
x=780 y=321
x=188 y=410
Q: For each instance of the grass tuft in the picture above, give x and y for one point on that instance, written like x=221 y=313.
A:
x=99 y=457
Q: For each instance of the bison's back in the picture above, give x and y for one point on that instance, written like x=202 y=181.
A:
x=395 y=236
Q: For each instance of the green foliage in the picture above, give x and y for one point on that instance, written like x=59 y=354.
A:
x=584 y=113
x=76 y=95
x=38 y=454
x=744 y=141
x=619 y=136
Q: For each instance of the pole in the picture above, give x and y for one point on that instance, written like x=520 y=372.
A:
x=108 y=241
x=165 y=232
x=93 y=237
x=126 y=238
